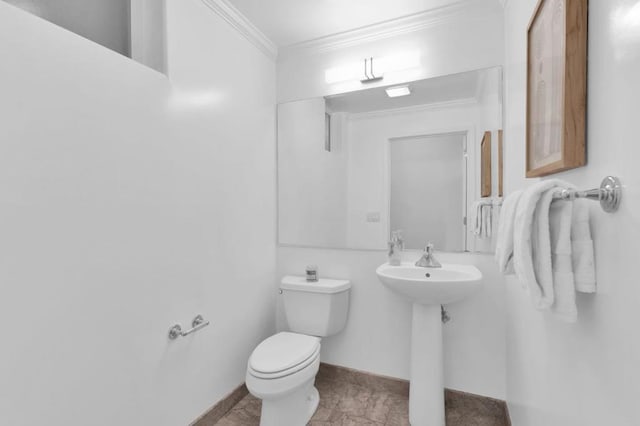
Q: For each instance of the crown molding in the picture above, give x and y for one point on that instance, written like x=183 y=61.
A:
x=456 y=103
x=242 y=25
x=392 y=28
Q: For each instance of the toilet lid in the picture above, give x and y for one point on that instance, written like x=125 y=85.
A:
x=283 y=351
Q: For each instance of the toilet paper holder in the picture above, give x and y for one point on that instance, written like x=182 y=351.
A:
x=198 y=323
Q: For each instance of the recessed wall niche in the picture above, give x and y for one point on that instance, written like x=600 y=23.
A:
x=133 y=28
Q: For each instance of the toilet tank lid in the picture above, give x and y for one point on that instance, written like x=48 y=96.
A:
x=323 y=285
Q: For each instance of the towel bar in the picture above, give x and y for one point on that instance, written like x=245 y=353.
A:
x=609 y=194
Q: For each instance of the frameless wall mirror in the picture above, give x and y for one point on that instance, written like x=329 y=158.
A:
x=383 y=163
x=133 y=28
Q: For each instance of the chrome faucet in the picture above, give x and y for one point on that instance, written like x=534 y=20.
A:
x=428 y=260
x=396 y=245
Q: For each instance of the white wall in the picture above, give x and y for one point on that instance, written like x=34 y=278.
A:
x=129 y=203
x=378 y=331
x=585 y=374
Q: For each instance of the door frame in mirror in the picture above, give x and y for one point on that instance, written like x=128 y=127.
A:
x=467 y=130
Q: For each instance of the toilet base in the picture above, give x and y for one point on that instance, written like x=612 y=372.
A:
x=295 y=409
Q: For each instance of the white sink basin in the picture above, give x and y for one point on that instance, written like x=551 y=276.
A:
x=427 y=289
x=431 y=286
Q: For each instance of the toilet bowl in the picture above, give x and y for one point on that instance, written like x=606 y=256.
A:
x=282 y=369
x=281 y=372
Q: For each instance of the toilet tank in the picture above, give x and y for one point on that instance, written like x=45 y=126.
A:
x=317 y=308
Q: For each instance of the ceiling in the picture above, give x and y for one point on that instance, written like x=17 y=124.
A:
x=287 y=22
x=455 y=87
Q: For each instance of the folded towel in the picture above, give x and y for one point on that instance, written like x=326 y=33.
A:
x=541 y=258
x=477 y=225
x=583 y=254
x=504 y=241
x=560 y=219
x=548 y=245
x=483 y=211
x=486 y=221
x=523 y=248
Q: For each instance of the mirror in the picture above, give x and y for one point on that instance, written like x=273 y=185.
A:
x=354 y=167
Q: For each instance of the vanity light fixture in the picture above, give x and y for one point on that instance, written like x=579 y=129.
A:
x=371 y=69
x=369 y=75
x=394 y=92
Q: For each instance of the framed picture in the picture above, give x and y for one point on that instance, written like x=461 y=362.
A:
x=556 y=87
x=485 y=165
x=500 y=165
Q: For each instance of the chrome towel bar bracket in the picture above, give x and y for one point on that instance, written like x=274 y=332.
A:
x=609 y=194
x=198 y=323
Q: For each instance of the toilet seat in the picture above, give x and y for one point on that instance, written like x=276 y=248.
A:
x=283 y=354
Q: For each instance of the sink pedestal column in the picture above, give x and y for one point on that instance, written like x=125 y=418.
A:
x=426 y=389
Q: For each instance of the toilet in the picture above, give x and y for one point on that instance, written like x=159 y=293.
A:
x=281 y=370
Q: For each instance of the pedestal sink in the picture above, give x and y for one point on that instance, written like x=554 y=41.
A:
x=427 y=289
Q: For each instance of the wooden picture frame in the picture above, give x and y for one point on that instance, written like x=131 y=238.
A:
x=485 y=165
x=500 y=165
x=556 y=87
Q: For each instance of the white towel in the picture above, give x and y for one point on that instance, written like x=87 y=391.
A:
x=477 y=225
x=488 y=213
x=549 y=246
x=582 y=253
x=504 y=241
x=560 y=220
x=483 y=211
x=541 y=247
x=524 y=250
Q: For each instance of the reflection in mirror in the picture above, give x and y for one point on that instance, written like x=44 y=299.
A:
x=428 y=190
x=408 y=162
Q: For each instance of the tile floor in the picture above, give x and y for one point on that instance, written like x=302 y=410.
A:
x=345 y=403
